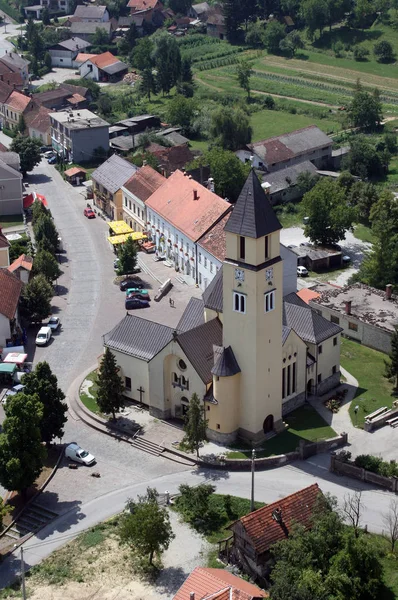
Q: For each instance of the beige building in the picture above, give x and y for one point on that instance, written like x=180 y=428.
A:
x=136 y=192
x=108 y=181
x=249 y=353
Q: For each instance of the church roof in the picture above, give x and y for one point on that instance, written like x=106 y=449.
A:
x=197 y=345
x=307 y=323
x=213 y=294
x=253 y=215
x=193 y=315
x=226 y=364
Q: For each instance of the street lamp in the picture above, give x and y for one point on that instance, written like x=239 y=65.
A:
x=356 y=409
x=253 y=469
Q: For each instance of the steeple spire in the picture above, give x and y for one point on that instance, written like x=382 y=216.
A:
x=253 y=215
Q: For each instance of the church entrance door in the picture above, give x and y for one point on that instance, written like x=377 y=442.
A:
x=268 y=424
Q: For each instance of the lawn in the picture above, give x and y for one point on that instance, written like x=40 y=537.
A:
x=10 y=220
x=289 y=215
x=374 y=389
x=304 y=423
x=363 y=233
x=87 y=400
x=392 y=176
x=269 y=123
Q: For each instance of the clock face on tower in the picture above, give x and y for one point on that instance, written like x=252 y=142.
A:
x=269 y=273
x=239 y=275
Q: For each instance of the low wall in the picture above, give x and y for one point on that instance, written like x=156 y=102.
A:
x=380 y=421
x=348 y=468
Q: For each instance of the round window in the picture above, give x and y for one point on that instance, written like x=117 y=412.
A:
x=182 y=365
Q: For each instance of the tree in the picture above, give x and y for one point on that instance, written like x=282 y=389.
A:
x=229 y=173
x=233 y=18
x=45 y=16
x=132 y=35
x=105 y=104
x=181 y=111
x=4 y=510
x=180 y=7
x=291 y=43
x=194 y=503
x=47 y=61
x=243 y=73
x=141 y=56
x=35 y=303
x=148 y=83
x=329 y=215
x=391 y=521
x=100 y=37
x=365 y=110
x=363 y=196
x=21 y=124
x=364 y=160
x=127 y=257
x=391 y=365
x=195 y=425
x=46 y=234
x=352 y=510
x=255 y=34
x=306 y=181
x=167 y=59
x=28 y=150
x=230 y=128
x=21 y=452
x=44 y=383
x=273 y=35
x=315 y=15
x=110 y=386
x=186 y=70
x=146 y=529
x=360 y=53
x=383 y=51
x=46 y=264
x=39 y=210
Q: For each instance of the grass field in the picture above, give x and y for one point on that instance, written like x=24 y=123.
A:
x=267 y=123
x=374 y=389
x=363 y=233
x=11 y=220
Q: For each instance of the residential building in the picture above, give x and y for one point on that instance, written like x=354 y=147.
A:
x=11 y=159
x=10 y=291
x=64 y=96
x=54 y=7
x=199 y=11
x=215 y=24
x=171 y=158
x=81 y=58
x=38 y=124
x=139 y=123
x=63 y=54
x=249 y=353
x=366 y=315
x=211 y=584
x=256 y=533
x=282 y=185
x=14 y=107
x=17 y=64
x=91 y=14
x=22 y=267
x=179 y=213
x=77 y=134
x=11 y=76
x=136 y=192
x=4 y=251
x=173 y=136
x=103 y=67
x=108 y=181
x=10 y=188
x=86 y=30
x=144 y=10
x=272 y=154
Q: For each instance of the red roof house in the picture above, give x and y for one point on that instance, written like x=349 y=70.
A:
x=22 y=267
x=144 y=183
x=217 y=583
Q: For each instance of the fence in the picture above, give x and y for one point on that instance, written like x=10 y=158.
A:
x=348 y=468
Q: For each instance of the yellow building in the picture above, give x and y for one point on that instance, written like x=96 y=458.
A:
x=108 y=180
x=249 y=353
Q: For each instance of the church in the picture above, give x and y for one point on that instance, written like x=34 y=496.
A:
x=250 y=353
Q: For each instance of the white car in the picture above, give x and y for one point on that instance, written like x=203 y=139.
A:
x=54 y=323
x=302 y=271
x=74 y=452
x=43 y=336
x=49 y=154
x=12 y=392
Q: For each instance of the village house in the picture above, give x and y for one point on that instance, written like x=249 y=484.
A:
x=17 y=64
x=4 y=251
x=64 y=96
x=38 y=124
x=14 y=108
x=11 y=191
x=10 y=291
x=91 y=14
x=22 y=267
x=144 y=10
x=54 y=7
x=78 y=134
x=63 y=53
x=136 y=192
x=211 y=584
x=199 y=11
x=215 y=23
x=256 y=533
x=11 y=77
x=273 y=154
x=250 y=353
x=282 y=185
x=108 y=181
x=86 y=29
x=103 y=67
x=171 y=158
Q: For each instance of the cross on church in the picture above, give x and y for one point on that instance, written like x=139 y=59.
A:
x=141 y=391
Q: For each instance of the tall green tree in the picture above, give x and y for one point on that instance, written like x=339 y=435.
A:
x=364 y=160
x=167 y=59
x=243 y=73
x=365 y=110
x=148 y=83
x=21 y=451
x=39 y=210
x=181 y=111
x=186 y=70
x=383 y=51
x=233 y=18
x=110 y=385
x=100 y=37
x=44 y=383
x=35 y=302
x=230 y=128
x=46 y=234
x=273 y=35
x=291 y=43
x=127 y=257
x=229 y=173
x=21 y=124
x=45 y=16
x=142 y=55
x=195 y=425
x=315 y=15
x=329 y=215
x=28 y=150
x=146 y=528
x=46 y=264
x=180 y=7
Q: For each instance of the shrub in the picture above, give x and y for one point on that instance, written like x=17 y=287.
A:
x=338 y=49
x=360 y=53
x=383 y=51
x=377 y=465
x=269 y=102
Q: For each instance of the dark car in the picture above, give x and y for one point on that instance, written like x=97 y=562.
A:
x=141 y=296
x=130 y=283
x=133 y=303
x=52 y=160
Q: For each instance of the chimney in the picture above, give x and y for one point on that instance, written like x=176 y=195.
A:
x=192 y=596
x=347 y=307
x=388 y=291
x=195 y=195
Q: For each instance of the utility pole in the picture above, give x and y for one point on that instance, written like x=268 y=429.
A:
x=253 y=470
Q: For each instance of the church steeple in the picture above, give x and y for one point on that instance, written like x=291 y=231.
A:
x=253 y=215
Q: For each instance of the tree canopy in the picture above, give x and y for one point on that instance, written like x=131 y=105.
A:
x=46 y=234
x=35 y=303
x=46 y=264
x=230 y=128
x=110 y=385
x=365 y=110
x=195 y=425
x=28 y=150
x=127 y=257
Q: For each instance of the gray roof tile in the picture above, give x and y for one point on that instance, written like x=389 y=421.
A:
x=138 y=337
x=253 y=215
x=197 y=345
x=114 y=173
x=213 y=294
x=310 y=326
x=226 y=364
x=193 y=315
x=285 y=333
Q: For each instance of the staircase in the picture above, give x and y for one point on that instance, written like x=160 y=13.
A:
x=33 y=518
x=147 y=446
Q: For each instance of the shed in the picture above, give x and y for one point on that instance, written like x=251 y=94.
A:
x=75 y=175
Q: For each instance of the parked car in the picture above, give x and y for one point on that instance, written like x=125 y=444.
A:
x=136 y=290
x=12 y=392
x=89 y=213
x=54 y=323
x=139 y=294
x=346 y=259
x=76 y=453
x=48 y=153
x=46 y=150
x=130 y=283
x=116 y=264
x=302 y=271
x=43 y=336
x=133 y=303
x=52 y=160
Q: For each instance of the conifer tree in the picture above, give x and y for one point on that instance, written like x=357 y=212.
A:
x=110 y=386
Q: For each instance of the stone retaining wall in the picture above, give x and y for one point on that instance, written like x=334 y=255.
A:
x=348 y=468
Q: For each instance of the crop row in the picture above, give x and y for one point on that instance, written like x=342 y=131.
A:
x=217 y=62
x=197 y=40
x=205 y=53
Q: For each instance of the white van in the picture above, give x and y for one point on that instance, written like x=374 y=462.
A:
x=74 y=452
x=43 y=336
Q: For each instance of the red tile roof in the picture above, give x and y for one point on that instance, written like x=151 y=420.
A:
x=5 y=90
x=74 y=171
x=138 y=5
x=38 y=118
x=143 y=183
x=187 y=205
x=24 y=261
x=18 y=101
x=76 y=99
x=104 y=60
x=307 y=295
x=264 y=530
x=173 y=158
x=205 y=582
x=214 y=240
x=272 y=150
x=82 y=57
x=10 y=290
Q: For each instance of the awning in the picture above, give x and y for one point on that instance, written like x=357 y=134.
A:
x=16 y=358
x=8 y=368
x=119 y=227
x=120 y=239
x=30 y=198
